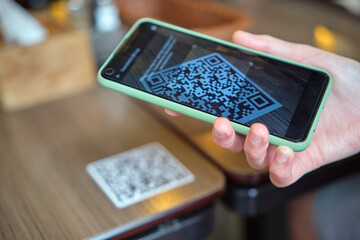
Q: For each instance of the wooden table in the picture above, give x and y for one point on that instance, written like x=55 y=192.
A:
x=45 y=191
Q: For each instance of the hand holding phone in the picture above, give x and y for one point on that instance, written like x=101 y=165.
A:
x=207 y=78
x=338 y=131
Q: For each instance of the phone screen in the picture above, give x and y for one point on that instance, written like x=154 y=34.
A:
x=219 y=79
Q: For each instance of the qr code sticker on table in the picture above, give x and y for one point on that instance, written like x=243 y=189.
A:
x=135 y=175
x=212 y=84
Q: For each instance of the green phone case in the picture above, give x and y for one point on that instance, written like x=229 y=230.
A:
x=296 y=146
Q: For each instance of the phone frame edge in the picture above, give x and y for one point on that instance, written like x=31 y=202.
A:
x=296 y=146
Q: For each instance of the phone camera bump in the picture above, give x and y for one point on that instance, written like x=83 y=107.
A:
x=109 y=71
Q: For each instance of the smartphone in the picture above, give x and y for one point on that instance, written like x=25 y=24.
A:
x=205 y=78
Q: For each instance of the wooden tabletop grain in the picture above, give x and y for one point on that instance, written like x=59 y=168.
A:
x=199 y=133
x=45 y=192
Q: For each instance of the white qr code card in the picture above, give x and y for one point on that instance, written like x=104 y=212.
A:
x=137 y=174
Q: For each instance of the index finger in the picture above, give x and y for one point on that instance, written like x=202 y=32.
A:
x=268 y=44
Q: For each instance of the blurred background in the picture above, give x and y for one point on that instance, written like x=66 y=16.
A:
x=58 y=54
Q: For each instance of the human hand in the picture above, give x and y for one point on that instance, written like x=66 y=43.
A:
x=337 y=135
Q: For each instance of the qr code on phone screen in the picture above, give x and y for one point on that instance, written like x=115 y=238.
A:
x=212 y=84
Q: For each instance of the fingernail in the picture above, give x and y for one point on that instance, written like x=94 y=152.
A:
x=281 y=157
x=255 y=138
x=218 y=133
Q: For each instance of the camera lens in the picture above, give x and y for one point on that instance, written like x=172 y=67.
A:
x=109 y=71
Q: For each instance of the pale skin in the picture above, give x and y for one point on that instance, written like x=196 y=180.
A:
x=337 y=134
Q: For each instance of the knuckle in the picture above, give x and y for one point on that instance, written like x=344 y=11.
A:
x=255 y=160
x=226 y=144
x=280 y=178
x=254 y=155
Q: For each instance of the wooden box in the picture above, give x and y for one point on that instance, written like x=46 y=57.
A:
x=60 y=66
